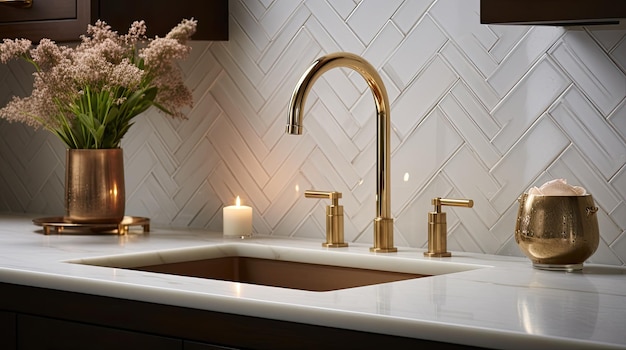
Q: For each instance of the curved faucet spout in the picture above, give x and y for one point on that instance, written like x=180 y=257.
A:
x=383 y=223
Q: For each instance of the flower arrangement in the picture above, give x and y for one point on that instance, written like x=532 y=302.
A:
x=88 y=95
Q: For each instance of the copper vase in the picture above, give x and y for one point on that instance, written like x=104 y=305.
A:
x=94 y=186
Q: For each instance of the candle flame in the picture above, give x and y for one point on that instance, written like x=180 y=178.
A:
x=238 y=201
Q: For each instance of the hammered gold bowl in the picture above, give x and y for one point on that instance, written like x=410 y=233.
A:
x=557 y=232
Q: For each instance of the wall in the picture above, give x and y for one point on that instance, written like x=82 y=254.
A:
x=481 y=112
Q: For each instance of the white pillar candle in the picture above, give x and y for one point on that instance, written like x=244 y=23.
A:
x=237 y=220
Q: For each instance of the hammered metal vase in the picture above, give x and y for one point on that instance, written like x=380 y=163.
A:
x=557 y=232
x=94 y=186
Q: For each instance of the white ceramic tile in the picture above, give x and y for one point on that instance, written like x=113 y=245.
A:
x=248 y=176
x=541 y=86
x=619 y=247
x=504 y=229
x=344 y=8
x=326 y=124
x=583 y=174
x=316 y=171
x=282 y=39
x=460 y=20
x=329 y=148
x=277 y=15
x=536 y=150
x=476 y=183
x=409 y=13
x=417 y=50
x=618 y=119
x=508 y=37
x=472 y=77
x=429 y=87
x=525 y=53
x=420 y=156
x=291 y=194
x=239 y=37
x=596 y=139
x=194 y=172
x=289 y=167
x=465 y=122
x=608 y=38
x=251 y=27
x=256 y=8
x=249 y=93
x=332 y=114
x=321 y=36
x=619 y=54
x=335 y=26
x=383 y=45
x=593 y=72
x=370 y=16
x=230 y=100
x=205 y=113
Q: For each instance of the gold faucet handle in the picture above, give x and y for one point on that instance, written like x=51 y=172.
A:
x=332 y=195
x=334 y=217
x=438 y=202
x=438 y=227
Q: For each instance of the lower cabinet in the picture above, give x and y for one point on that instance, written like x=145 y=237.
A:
x=8 y=328
x=38 y=333
x=190 y=345
x=48 y=319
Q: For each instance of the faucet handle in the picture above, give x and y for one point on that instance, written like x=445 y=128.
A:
x=438 y=227
x=334 y=217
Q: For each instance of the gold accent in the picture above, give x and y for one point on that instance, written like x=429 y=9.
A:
x=438 y=227
x=60 y=226
x=383 y=223
x=334 y=217
x=17 y=3
x=557 y=232
x=94 y=184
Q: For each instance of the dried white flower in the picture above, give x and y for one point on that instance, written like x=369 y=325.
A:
x=103 y=82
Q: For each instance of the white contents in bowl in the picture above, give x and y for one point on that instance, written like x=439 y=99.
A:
x=557 y=187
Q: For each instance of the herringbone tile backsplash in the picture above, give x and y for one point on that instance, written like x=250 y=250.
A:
x=481 y=112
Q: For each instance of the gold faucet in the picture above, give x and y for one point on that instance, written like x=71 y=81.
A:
x=438 y=227
x=383 y=223
x=334 y=217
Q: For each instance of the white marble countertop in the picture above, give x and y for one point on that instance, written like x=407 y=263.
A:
x=503 y=303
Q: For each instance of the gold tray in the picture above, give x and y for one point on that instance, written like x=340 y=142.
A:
x=60 y=226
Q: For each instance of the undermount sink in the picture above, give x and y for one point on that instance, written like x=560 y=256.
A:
x=276 y=266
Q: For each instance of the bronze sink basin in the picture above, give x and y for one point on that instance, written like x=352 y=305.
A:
x=285 y=267
x=279 y=273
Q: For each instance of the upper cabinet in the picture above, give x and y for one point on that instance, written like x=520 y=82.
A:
x=552 y=12
x=66 y=20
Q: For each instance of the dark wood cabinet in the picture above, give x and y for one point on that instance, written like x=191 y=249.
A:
x=43 y=313
x=59 y=20
x=191 y=345
x=37 y=333
x=552 y=12
x=66 y=20
x=8 y=328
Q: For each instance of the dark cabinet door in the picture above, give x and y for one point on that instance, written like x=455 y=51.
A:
x=59 y=20
x=66 y=20
x=190 y=345
x=552 y=12
x=41 y=333
x=8 y=330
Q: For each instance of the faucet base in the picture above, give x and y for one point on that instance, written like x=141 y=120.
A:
x=383 y=250
x=437 y=255
x=383 y=236
x=334 y=245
